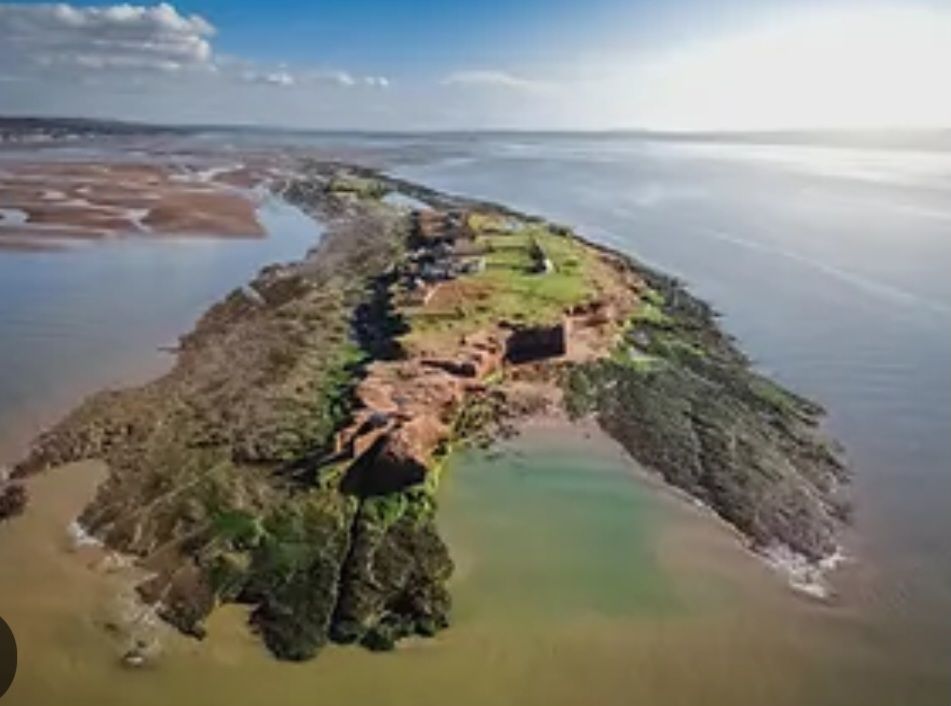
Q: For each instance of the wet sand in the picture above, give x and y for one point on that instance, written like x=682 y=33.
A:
x=49 y=201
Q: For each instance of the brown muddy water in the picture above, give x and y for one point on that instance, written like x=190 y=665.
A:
x=579 y=579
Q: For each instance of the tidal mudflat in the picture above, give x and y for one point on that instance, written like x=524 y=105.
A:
x=48 y=202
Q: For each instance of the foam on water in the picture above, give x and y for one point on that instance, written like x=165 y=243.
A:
x=803 y=574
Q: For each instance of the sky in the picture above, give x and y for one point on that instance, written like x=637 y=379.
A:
x=437 y=64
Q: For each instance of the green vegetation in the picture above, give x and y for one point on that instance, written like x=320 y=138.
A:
x=637 y=361
x=650 y=313
x=683 y=401
x=520 y=294
x=384 y=510
x=225 y=475
x=483 y=223
x=239 y=528
x=393 y=580
x=293 y=577
x=676 y=347
x=509 y=289
x=361 y=187
x=652 y=296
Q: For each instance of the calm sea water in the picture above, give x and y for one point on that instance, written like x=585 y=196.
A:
x=831 y=266
x=99 y=313
x=576 y=582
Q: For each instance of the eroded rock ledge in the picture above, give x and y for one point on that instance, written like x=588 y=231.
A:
x=290 y=459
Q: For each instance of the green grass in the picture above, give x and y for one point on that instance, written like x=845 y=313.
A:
x=484 y=222
x=359 y=186
x=652 y=296
x=650 y=313
x=675 y=348
x=637 y=361
x=512 y=291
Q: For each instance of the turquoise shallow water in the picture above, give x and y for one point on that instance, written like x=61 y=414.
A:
x=565 y=527
x=578 y=581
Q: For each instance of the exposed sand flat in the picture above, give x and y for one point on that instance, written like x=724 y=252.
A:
x=244 y=177
x=105 y=199
x=220 y=213
x=76 y=215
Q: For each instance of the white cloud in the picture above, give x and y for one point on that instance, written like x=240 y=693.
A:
x=60 y=58
x=342 y=78
x=273 y=78
x=96 y=38
x=492 y=78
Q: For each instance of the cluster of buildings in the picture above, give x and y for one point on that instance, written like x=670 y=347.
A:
x=443 y=247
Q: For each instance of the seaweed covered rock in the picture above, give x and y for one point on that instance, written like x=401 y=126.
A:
x=683 y=401
x=12 y=500
x=294 y=574
x=223 y=480
x=393 y=582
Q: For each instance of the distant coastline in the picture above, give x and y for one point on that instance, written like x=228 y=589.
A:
x=35 y=130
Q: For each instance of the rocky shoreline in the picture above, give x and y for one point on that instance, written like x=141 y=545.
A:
x=290 y=460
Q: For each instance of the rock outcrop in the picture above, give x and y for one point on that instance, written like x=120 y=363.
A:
x=683 y=400
x=290 y=459
x=12 y=500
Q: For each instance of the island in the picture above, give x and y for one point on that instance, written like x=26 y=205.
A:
x=290 y=460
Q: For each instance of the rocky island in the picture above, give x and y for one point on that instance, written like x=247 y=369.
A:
x=290 y=460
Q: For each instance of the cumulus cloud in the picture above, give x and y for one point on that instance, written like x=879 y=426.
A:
x=343 y=78
x=96 y=38
x=492 y=78
x=134 y=43
x=273 y=78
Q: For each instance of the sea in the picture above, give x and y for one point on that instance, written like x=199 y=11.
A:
x=580 y=578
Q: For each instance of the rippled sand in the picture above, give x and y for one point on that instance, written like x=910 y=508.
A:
x=47 y=202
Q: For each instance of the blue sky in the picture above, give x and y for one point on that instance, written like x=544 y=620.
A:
x=688 y=64
x=421 y=35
